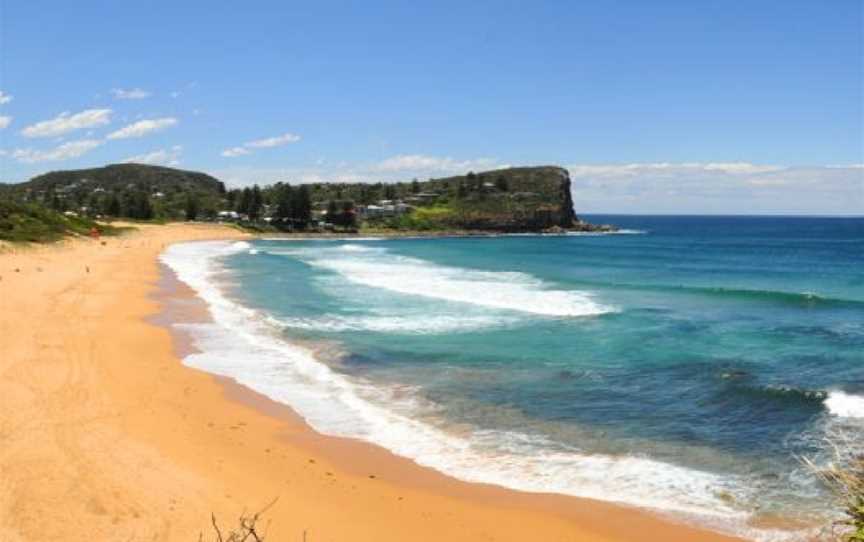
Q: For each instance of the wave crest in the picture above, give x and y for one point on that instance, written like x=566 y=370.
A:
x=514 y=291
x=845 y=405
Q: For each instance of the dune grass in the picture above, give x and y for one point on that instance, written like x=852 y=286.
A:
x=845 y=478
x=34 y=223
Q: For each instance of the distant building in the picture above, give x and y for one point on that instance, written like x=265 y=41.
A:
x=384 y=211
x=228 y=215
x=376 y=211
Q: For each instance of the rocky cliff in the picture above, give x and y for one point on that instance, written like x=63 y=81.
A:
x=524 y=199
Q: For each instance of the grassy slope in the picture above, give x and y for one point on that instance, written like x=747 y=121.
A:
x=29 y=222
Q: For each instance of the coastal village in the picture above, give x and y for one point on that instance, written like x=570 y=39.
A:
x=507 y=200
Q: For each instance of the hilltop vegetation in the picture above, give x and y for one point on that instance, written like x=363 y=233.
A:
x=133 y=191
x=508 y=200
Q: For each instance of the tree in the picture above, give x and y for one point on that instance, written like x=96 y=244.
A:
x=332 y=212
x=112 y=208
x=415 y=186
x=255 y=203
x=461 y=191
x=244 y=201
x=502 y=184
x=191 y=206
x=347 y=218
x=284 y=199
x=138 y=206
x=301 y=206
x=56 y=202
x=145 y=208
x=231 y=197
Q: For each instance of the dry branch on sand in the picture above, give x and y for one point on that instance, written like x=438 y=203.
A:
x=246 y=530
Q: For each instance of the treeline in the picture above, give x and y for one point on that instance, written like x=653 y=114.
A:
x=287 y=207
x=134 y=205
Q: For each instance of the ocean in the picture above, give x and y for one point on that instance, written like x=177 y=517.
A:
x=684 y=365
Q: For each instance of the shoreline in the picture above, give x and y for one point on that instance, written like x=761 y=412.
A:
x=140 y=445
x=430 y=234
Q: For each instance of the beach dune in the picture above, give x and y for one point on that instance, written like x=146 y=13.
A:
x=105 y=435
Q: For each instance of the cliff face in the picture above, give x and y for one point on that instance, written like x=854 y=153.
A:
x=511 y=200
x=568 y=215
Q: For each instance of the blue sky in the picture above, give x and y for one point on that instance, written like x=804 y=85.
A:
x=663 y=106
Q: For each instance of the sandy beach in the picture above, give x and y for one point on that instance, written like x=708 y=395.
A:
x=105 y=435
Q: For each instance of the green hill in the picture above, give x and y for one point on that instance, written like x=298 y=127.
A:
x=123 y=176
x=123 y=190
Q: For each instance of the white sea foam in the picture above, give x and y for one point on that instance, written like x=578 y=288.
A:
x=240 y=344
x=845 y=405
x=376 y=267
x=413 y=324
x=318 y=239
x=358 y=248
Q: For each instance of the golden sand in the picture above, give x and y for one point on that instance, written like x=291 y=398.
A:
x=105 y=435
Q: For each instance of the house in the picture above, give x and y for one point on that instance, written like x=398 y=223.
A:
x=376 y=211
x=384 y=211
x=228 y=215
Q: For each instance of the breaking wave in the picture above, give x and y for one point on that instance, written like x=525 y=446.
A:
x=376 y=267
x=845 y=405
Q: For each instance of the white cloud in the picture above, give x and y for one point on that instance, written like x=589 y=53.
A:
x=273 y=141
x=142 y=128
x=130 y=94
x=166 y=157
x=65 y=151
x=424 y=164
x=4 y=98
x=717 y=188
x=399 y=168
x=234 y=152
x=176 y=94
x=65 y=123
x=667 y=168
x=265 y=143
x=5 y=121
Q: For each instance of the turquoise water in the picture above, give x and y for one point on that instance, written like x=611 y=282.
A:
x=683 y=366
